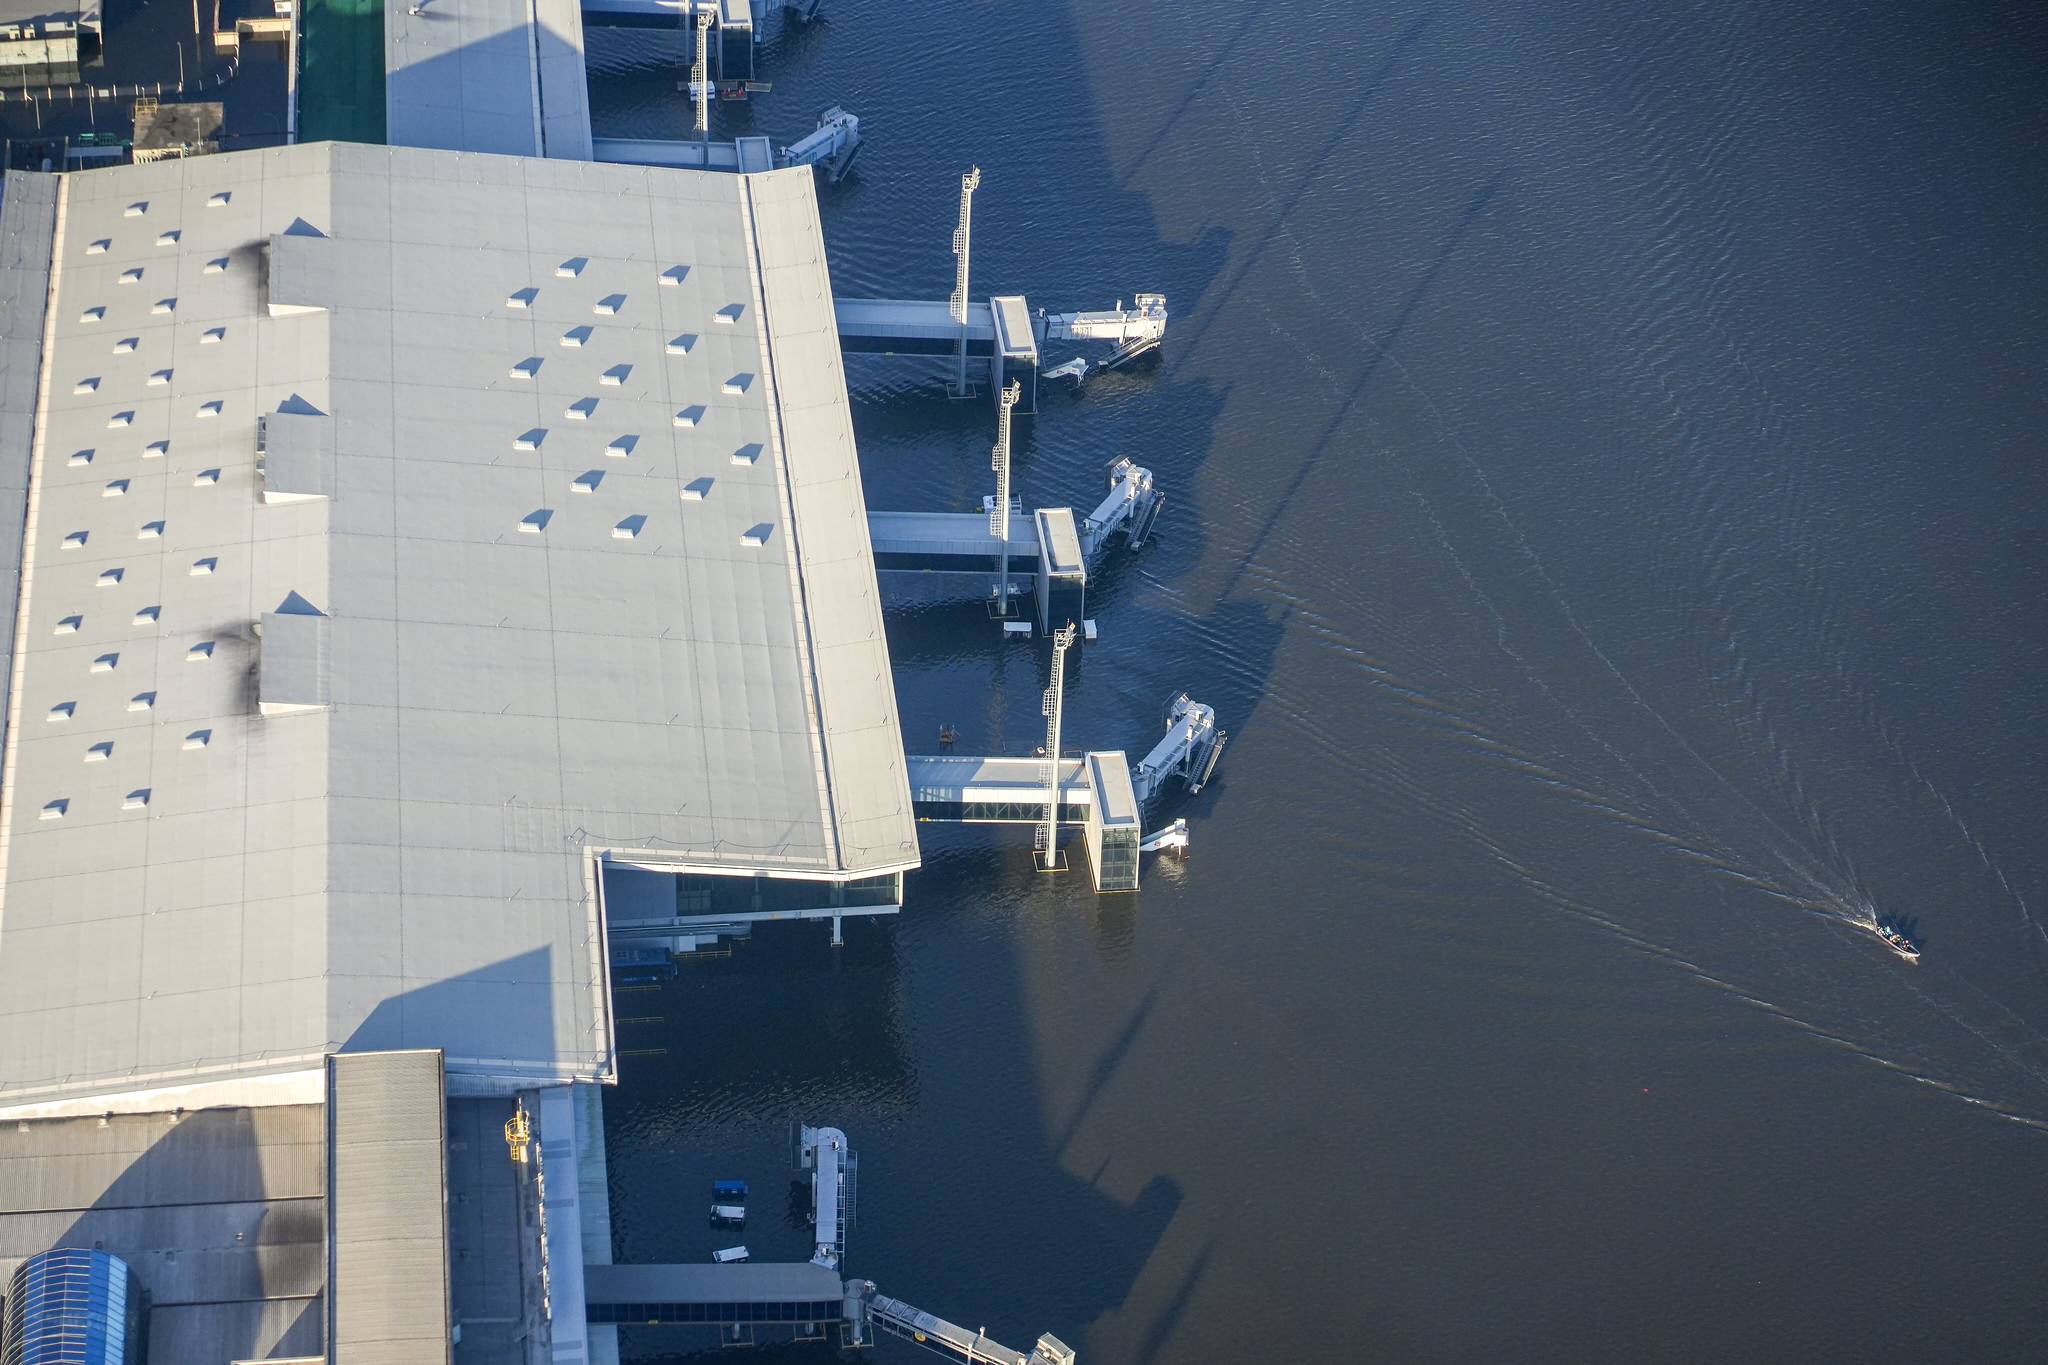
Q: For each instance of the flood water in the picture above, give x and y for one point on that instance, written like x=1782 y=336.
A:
x=1604 y=447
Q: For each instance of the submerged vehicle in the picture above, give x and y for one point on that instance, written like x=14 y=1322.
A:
x=1896 y=941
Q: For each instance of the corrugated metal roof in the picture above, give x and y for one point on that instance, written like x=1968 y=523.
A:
x=387 y=1204
x=407 y=866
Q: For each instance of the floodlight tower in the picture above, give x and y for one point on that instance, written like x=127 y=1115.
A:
x=999 y=510
x=968 y=184
x=1047 y=841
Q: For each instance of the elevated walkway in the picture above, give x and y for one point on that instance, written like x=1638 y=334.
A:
x=741 y=1293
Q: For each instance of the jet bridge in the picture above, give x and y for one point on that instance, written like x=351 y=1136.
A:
x=833 y=1167
x=879 y=1312
x=833 y=144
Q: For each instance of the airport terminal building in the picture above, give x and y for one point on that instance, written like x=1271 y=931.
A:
x=402 y=547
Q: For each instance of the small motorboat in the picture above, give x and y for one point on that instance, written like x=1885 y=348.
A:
x=1896 y=941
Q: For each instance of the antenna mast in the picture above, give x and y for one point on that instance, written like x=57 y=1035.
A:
x=1048 y=836
x=968 y=184
x=999 y=510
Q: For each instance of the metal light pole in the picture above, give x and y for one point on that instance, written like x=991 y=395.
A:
x=968 y=184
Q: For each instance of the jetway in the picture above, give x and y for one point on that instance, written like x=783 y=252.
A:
x=833 y=1167
x=833 y=144
x=878 y=1312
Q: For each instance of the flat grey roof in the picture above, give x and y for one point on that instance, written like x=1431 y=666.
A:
x=502 y=76
x=193 y=892
x=220 y=1215
x=950 y=533
x=387 y=1226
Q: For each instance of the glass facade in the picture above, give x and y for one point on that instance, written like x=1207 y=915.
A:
x=71 y=1306
x=1119 y=867
x=708 y=895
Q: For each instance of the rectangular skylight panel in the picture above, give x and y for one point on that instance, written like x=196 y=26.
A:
x=79 y=457
x=205 y=477
x=90 y=385
x=622 y=446
x=522 y=298
x=200 y=652
x=739 y=383
x=219 y=199
x=147 y=616
x=696 y=490
x=533 y=523
x=210 y=409
x=674 y=275
x=690 y=416
x=142 y=701
x=616 y=375
x=132 y=275
x=136 y=800
x=217 y=266
x=681 y=345
x=164 y=306
x=198 y=739
x=116 y=489
x=92 y=314
x=167 y=238
x=160 y=376
x=731 y=313
x=202 y=567
x=757 y=536
x=576 y=336
x=572 y=267
x=54 y=810
x=69 y=625
x=581 y=409
x=106 y=663
x=100 y=752
x=156 y=450
x=126 y=345
x=747 y=453
x=630 y=527
x=609 y=305
x=121 y=419
x=136 y=209
x=149 y=530
x=587 y=481
x=211 y=335
x=98 y=247
x=110 y=578
x=530 y=440
x=62 y=710
x=527 y=368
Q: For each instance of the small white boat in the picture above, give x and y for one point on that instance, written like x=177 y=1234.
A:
x=729 y=1213
x=729 y=1255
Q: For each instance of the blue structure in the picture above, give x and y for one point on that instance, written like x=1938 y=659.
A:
x=72 y=1306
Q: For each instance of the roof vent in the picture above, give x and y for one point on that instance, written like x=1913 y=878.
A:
x=576 y=336
x=149 y=530
x=86 y=385
x=739 y=383
x=757 y=535
x=301 y=228
x=164 y=306
x=674 y=275
x=132 y=275
x=99 y=247
x=100 y=752
x=588 y=481
x=219 y=200
x=609 y=305
x=127 y=345
x=298 y=455
x=203 y=567
x=147 y=616
x=78 y=458
x=204 y=477
x=572 y=267
x=522 y=298
x=92 y=314
x=105 y=663
x=210 y=409
x=200 y=652
x=217 y=266
x=690 y=416
x=731 y=313
x=681 y=345
x=696 y=490
x=110 y=578
x=580 y=410
x=136 y=209
x=69 y=624
x=537 y=521
x=121 y=419
x=75 y=540
x=629 y=528
x=293 y=672
x=136 y=800
x=616 y=375
x=167 y=238
x=530 y=440
x=211 y=335
x=527 y=368
x=115 y=489
x=62 y=710
x=159 y=376
x=747 y=453
x=622 y=445
x=198 y=739
x=55 y=809
x=155 y=449
x=142 y=701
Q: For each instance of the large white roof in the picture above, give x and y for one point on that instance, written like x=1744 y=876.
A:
x=399 y=853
